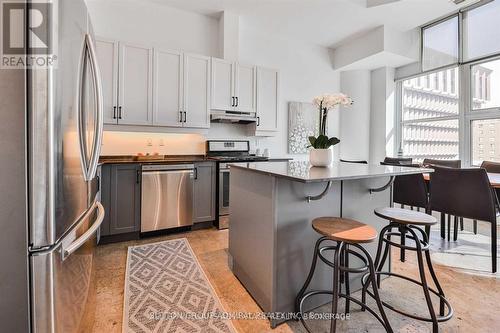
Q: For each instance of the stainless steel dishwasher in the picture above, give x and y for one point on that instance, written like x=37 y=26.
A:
x=167 y=196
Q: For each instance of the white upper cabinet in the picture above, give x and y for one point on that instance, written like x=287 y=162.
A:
x=135 y=85
x=222 y=84
x=149 y=86
x=107 y=57
x=196 y=91
x=267 y=99
x=168 y=93
x=233 y=86
x=244 y=90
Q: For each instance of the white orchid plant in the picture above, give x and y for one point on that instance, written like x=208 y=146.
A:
x=325 y=103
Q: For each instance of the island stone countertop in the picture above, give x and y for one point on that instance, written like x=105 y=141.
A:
x=302 y=171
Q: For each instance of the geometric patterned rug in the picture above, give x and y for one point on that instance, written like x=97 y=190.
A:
x=166 y=290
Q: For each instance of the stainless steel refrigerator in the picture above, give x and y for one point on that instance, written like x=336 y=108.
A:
x=50 y=137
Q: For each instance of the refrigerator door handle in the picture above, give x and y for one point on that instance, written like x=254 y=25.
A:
x=79 y=110
x=99 y=106
x=88 y=55
x=77 y=243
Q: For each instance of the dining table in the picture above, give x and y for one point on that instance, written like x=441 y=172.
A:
x=493 y=177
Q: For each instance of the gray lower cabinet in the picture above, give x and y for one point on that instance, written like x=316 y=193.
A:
x=204 y=193
x=121 y=198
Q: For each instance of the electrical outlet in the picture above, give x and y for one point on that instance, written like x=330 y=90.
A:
x=162 y=143
x=149 y=142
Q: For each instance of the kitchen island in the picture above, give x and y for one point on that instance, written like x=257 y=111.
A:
x=271 y=240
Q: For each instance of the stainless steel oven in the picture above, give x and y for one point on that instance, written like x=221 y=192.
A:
x=223 y=189
x=225 y=152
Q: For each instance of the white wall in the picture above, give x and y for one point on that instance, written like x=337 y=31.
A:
x=147 y=23
x=305 y=69
x=355 y=120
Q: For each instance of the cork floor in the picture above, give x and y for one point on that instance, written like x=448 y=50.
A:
x=475 y=298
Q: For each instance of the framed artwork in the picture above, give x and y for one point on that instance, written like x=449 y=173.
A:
x=303 y=121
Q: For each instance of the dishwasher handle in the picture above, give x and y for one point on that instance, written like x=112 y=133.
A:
x=168 y=167
x=166 y=172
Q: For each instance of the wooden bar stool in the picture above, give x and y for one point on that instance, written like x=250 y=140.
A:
x=347 y=234
x=407 y=224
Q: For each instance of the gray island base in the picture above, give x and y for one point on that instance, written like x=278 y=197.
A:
x=271 y=240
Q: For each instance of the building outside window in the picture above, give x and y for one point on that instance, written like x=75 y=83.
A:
x=425 y=133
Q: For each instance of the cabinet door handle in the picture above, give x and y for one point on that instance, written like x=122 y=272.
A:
x=180 y=116
x=138 y=178
x=185 y=116
x=195 y=173
x=232 y=101
x=237 y=101
x=114 y=112
x=119 y=112
x=258 y=121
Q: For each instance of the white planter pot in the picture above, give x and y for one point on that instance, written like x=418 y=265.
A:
x=321 y=157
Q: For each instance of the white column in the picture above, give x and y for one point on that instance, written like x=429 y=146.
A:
x=382 y=118
x=229 y=36
x=355 y=120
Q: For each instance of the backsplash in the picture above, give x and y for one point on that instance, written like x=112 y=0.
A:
x=132 y=143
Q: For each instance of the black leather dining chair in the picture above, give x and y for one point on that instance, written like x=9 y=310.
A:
x=490 y=167
x=445 y=163
x=429 y=162
x=408 y=190
x=355 y=162
x=478 y=202
x=397 y=161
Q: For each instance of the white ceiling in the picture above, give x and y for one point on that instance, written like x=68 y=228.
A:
x=323 y=22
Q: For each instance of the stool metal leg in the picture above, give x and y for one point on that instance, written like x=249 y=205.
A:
x=342 y=263
x=377 y=259
x=432 y=272
x=403 y=243
x=311 y=273
x=336 y=286
x=436 y=282
x=346 y=279
x=425 y=287
x=381 y=264
x=380 y=306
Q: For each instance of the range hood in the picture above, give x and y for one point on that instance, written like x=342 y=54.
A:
x=233 y=117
